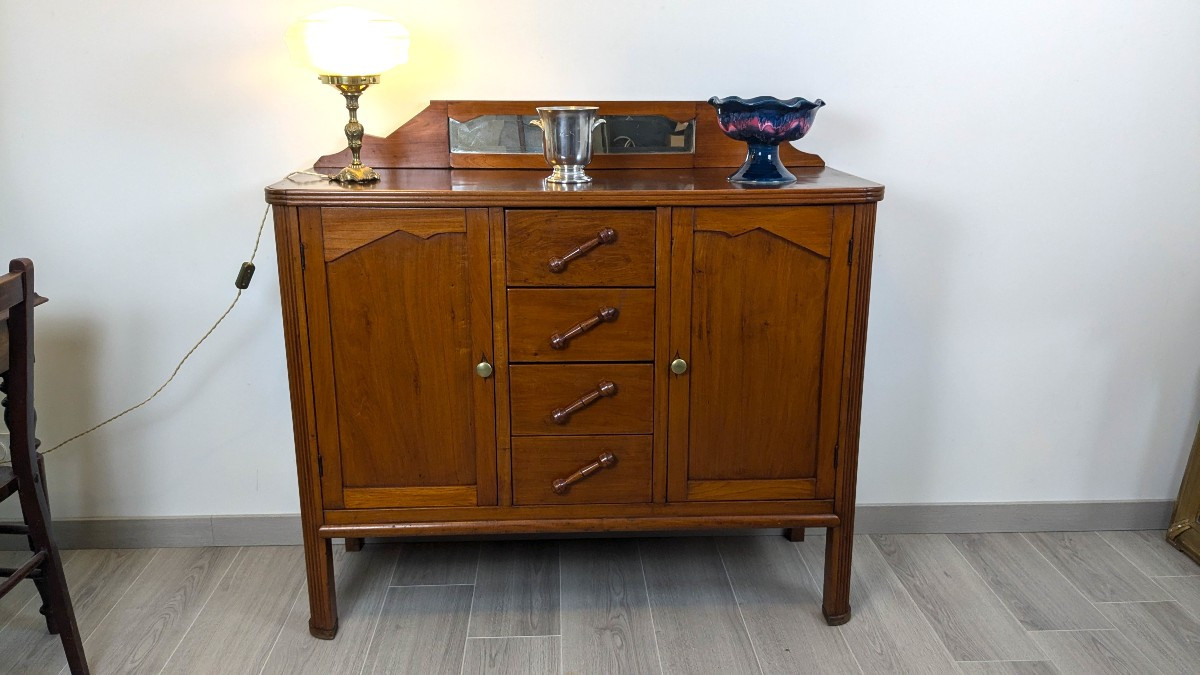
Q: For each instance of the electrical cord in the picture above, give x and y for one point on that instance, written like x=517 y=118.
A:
x=323 y=176
x=243 y=282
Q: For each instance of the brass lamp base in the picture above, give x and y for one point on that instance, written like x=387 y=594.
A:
x=356 y=173
x=352 y=86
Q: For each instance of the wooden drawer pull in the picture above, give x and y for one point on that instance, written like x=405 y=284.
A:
x=605 y=388
x=560 y=340
x=562 y=485
x=605 y=236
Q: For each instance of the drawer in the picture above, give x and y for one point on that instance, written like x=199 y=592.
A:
x=593 y=324
x=618 y=469
x=583 y=401
x=579 y=247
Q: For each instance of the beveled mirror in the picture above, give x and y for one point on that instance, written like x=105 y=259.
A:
x=620 y=135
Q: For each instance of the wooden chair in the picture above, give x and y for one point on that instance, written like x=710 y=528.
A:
x=25 y=477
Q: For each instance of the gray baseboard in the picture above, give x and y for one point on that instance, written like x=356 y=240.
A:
x=252 y=530
x=1013 y=517
x=268 y=530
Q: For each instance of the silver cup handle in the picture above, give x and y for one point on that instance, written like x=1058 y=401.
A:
x=597 y=122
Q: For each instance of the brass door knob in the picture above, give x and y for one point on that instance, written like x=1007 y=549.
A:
x=679 y=366
x=483 y=369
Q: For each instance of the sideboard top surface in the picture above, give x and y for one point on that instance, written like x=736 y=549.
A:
x=609 y=187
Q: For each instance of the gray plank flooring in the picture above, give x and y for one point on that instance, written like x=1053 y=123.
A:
x=964 y=612
x=990 y=603
x=1168 y=636
x=1185 y=591
x=1093 y=652
x=507 y=656
x=605 y=612
x=362 y=582
x=518 y=590
x=1007 y=668
x=96 y=580
x=242 y=618
x=1097 y=569
x=422 y=629
x=1150 y=553
x=148 y=622
x=887 y=631
x=781 y=605
x=1036 y=593
x=433 y=563
x=697 y=619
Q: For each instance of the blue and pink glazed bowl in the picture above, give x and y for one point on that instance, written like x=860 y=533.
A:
x=763 y=122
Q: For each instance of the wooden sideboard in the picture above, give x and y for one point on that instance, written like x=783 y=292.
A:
x=471 y=351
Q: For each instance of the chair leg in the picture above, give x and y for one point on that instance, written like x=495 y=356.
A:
x=794 y=534
x=72 y=640
x=60 y=614
x=354 y=544
x=42 y=581
x=47 y=608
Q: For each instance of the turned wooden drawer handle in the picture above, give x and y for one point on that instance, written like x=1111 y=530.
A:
x=605 y=236
x=562 y=485
x=605 y=388
x=560 y=340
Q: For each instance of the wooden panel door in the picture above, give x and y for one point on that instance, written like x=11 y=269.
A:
x=400 y=304
x=758 y=312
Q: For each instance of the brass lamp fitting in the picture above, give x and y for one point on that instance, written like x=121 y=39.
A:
x=352 y=86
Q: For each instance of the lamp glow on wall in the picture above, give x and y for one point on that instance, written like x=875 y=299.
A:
x=349 y=48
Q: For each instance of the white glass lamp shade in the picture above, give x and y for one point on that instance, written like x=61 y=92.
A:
x=348 y=41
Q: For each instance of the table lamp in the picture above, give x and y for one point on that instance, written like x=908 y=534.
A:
x=349 y=48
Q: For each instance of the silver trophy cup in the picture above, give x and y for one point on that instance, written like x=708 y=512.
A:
x=567 y=140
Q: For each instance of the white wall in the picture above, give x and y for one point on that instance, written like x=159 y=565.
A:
x=1035 y=315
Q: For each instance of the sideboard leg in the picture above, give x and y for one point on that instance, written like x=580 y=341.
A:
x=354 y=544
x=794 y=534
x=839 y=547
x=322 y=597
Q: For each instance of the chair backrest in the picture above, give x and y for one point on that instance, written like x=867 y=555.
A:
x=17 y=301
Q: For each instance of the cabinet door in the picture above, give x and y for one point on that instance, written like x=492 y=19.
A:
x=399 y=304
x=758 y=312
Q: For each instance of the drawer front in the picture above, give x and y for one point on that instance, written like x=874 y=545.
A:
x=593 y=324
x=580 y=247
x=581 y=470
x=576 y=399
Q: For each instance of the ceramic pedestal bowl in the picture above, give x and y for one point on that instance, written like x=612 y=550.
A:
x=763 y=122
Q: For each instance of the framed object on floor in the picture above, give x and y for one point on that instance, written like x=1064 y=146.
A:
x=1184 y=532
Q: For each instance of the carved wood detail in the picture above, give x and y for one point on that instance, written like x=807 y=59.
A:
x=348 y=229
x=810 y=228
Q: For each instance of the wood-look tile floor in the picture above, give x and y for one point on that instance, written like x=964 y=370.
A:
x=1076 y=602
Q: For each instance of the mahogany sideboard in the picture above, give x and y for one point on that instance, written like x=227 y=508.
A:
x=471 y=351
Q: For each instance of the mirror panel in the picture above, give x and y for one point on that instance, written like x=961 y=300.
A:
x=619 y=135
